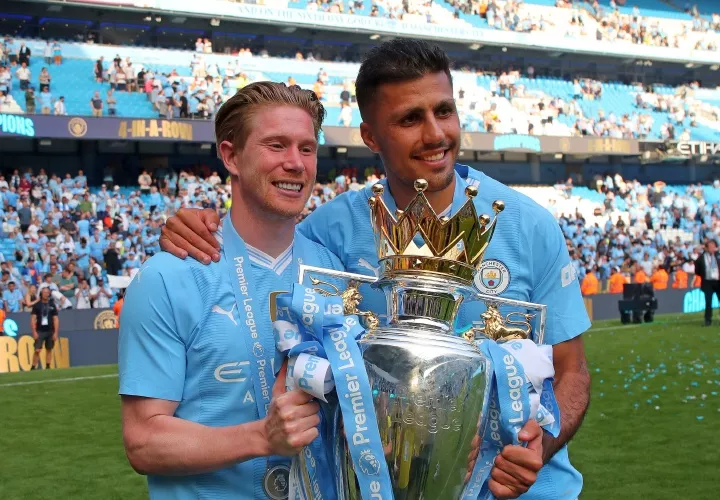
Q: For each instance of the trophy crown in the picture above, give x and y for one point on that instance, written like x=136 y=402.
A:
x=451 y=246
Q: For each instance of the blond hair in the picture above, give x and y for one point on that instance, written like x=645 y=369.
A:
x=233 y=118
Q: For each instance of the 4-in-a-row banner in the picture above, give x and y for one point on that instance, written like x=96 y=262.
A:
x=151 y=129
x=81 y=127
x=87 y=337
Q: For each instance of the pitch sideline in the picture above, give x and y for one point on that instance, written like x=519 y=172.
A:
x=73 y=379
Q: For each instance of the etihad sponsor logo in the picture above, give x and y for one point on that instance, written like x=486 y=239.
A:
x=692 y=148
x=231 y=372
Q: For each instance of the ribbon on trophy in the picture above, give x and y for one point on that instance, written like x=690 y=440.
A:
x=521 y=389
x=321 y=344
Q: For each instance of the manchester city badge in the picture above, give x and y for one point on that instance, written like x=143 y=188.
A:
x=492 y=278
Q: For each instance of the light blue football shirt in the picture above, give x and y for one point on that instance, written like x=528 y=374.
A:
x=527 y=241
x=182 y=339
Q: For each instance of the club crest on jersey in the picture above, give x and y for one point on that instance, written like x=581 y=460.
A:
x=492 y=278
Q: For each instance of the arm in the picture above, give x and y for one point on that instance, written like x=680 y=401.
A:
x=189 y=232
x=152 y=363
x=572 y=391
x=158 y=443
x=33 y=326
x=56 y=327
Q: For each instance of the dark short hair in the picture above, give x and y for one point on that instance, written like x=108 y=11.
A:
x=398 y=60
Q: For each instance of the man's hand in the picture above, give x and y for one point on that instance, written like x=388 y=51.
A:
x=517 y=467
x=292 y=420
x=34 y=335
x=189 y=232
x=472 y=456
x=55 y=337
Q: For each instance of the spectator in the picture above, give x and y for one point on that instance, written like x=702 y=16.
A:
x=111 y=103
x=45 y=99
x=12 y=298
x=59 y=108
x=45 y=327
x=57 y=53
x=23 y=74
x=32 y=297
x=96 y=105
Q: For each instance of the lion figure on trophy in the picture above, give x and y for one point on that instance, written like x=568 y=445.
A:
x=351 y=298
x=496 y=327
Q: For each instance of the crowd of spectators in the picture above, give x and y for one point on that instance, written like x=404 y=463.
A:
x=637 y=248
x=509 y=107
x=73 y=239
x=506 y=103
x=76 y=240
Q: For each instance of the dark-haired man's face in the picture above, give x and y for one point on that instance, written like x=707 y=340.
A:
x=414 y=127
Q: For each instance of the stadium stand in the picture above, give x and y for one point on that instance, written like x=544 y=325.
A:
x=505 y=103
x=611 y=225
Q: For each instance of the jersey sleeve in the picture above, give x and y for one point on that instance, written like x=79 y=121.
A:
x=555 y=282
x=151 y=352
x=329 y=224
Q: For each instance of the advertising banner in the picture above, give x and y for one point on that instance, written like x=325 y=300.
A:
x=189 y=131
x=87 y=337
x=671 y=301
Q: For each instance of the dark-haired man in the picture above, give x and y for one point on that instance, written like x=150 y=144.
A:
x=405 y=95
x=707 y=266
x=45 y=327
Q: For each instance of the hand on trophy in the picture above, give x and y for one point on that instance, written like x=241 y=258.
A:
x=472 y=456
x=292 y=420
x=517 y=467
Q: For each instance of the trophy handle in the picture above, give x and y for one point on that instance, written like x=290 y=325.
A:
x=362 y=278
x=537 y=334
x=351 y=296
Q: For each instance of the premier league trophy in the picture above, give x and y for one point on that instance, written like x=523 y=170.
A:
x=429 y=385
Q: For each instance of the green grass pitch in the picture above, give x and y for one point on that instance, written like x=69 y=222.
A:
x=651 y=430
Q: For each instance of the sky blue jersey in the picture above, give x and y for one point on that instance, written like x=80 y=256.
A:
x=182 y=339
x=528 y=251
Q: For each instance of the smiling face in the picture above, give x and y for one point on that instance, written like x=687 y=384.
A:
x=274 y=172
x=414 y=127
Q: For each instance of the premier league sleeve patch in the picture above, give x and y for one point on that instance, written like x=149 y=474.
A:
x=492 y=278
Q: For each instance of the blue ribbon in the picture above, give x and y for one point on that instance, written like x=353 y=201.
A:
x=260 y=346
x=323 y=330
x=333 y=336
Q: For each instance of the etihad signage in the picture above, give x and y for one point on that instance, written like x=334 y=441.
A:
x=203 y=131
x=698 y=148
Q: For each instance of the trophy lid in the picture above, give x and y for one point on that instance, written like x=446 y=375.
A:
x=452 y=247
